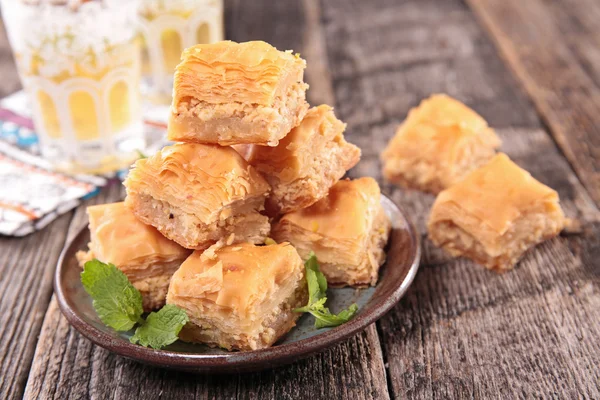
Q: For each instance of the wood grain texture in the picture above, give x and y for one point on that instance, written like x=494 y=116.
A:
x=44 y=358
x=553 y=48
x=318 y=73
x=70 y=366
x=8 y=72
x=66 y=365
x=25 y=289
x=23 y=300
x=461 y=331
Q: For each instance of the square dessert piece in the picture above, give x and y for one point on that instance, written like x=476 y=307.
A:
x=306 y=163
x=440 y=142
x=241 y=296
x=495 y=214
x=139 y=250
x=347 y=230
x=233 y=93
x=196 y=194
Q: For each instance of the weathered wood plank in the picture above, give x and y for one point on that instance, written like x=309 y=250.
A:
x=25 y=276
x=536 y=38
x=25 y=290
x=10 y=79
x=461 y=331
x=45 y=361
x=318 y=75
x=403 y=51
x=23 y=300
x=68 y=365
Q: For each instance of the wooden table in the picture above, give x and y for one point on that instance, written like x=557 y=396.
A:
x=532 y=69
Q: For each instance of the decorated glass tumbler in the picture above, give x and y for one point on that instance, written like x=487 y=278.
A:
x=167 y=27
x=80 y=63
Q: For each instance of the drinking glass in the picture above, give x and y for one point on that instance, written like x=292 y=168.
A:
x=80 y=64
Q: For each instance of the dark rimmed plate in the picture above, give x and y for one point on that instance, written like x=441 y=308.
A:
x=394 y=279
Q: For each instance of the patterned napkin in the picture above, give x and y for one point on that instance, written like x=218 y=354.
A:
x=32 y=193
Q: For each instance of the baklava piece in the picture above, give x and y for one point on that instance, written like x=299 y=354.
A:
x=495 y=214
x=233 y=93
x=139 y=250
x=196 y=194
x=240 y=297
x=347 y=230
x=306 y=163
x=438 y=144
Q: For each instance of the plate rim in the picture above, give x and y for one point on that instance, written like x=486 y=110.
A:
x=238 y=361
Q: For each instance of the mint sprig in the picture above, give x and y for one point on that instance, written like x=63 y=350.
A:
x=119 y=306
x=161 y=327
x=117 y=302
x=317 y=291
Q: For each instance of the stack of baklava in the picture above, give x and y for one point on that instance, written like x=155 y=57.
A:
x=252 y=163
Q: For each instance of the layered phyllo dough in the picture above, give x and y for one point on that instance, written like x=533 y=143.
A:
x=306 y=163
x=198 y=194
x=347 y=230
x=495 y=214
x=439 y=143
x=139 y=250
x=241 y=296
x=231 y=93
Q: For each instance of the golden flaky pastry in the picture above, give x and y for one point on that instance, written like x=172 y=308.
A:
x=306 y=163
x=495 y=214
x=347 y=230
x=240 y=297
x=439 y=143
x=139 y=250
x=232 y=93
x=197 y=194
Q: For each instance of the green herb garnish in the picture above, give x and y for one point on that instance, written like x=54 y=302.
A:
x=119 y=306
x=317 y=290
x=161 y=327
x=117 y=302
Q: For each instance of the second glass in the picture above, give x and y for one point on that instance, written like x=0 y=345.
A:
x=167 y=27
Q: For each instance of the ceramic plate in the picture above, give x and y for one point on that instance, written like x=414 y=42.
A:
x=395 y=277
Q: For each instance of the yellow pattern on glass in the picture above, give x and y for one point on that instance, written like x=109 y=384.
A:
x=203 y=34
x=83 y=116
x=172 y=48
x=118 y=99
x=146 y=62
x=49 y=114
x=114 y=56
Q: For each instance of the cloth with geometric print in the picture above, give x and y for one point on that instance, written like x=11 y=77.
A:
x=32 y=194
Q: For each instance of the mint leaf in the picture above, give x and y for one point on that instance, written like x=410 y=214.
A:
x=314 y=291
x=312 y=265
x=119 y=305
x=317 y=288
x=324 y=318
x=309 y=307
x=116 y=301
x=160 y=328
x=314 y=280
